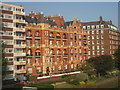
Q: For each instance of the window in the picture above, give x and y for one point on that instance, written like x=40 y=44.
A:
x=93 y=26
x=71 y=43
x=98 y=47
x=93 y=42
x=88 y=32
x=71 y=36
x=92 y=37
x=93 y=47
x=6 y=24
x=88 y=37
x=98 y=41
x=102 y=47
x=102 y=31
x=97 y=31
x=88 y=27
x=65 y=67
x=102 y=26
x=53 y=68
x=59 y=67
x=92 y=32
x=88 y=52
x=84 y=27
x=29 y=70
x=38 y=70
x=8 y=50
x=98 y=37
x=71 y=58
x=101 y=36
x=80 y=43
x=102 y=52
x=93 y=52
x=79 y=36
x=98 y=52
x=71 y=66
x=97 y=26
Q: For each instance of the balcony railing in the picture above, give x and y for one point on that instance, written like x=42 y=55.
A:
x=29 y=36
x=37 y=37
x=20 y=45
x=19 y=37
x=29 y=55
x=19 y=62
x=51 y=37
x=65 y=54
x=19 y=54
x=20 y=71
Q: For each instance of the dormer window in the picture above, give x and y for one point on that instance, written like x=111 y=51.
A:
x=88 y=27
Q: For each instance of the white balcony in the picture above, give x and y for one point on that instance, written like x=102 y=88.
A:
x=19 y=45
x=19 y=29
x=19 y=62
x=19 y=37
x=20 y=54
x=20 y=71
x=19 y=12
x=19 y=21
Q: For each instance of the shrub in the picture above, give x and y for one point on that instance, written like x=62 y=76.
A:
x=33 y=78
x=82 y=83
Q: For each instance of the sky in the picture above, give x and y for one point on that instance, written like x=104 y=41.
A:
x=85 y=11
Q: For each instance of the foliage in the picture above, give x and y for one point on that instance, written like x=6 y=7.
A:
x=4 y=61
x=88 y=68
x=102 y=64
x=82 y=83
x=33 y=78
x=76 y=79
x=117 y=58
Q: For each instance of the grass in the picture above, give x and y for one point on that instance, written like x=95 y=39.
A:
x=94 y=83
x=65 y=85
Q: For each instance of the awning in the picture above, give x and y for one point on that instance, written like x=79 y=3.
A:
x=58 y=35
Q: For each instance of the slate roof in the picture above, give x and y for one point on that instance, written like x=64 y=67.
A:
x=42 y=19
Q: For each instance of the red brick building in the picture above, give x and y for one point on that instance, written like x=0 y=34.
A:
x=53 y=50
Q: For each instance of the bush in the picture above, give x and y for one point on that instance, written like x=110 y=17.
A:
x=76 y=79
x=33 y=78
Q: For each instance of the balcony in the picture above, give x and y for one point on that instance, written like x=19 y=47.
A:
x=29 y=55
x=20 y=71
x=19 y=37
x=20 y=54
x=19 y=29
x=37 y=37
x=19 y=21
x=29 y=36
x=38 y=55
x=19 y=62
x=51 y=37
x=19 y=45
x=18 y=12
x=58 y=55
x=64 y=39
x=65 y=54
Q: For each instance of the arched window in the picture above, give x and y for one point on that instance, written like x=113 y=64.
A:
x=29 y=52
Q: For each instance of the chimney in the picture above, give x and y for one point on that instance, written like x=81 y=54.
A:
x=37 y=15
x=110 y=21
x=32 y=14
x=101 y=19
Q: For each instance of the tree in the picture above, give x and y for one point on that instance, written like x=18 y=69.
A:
x=3 y=60
x=87 y=68
x=117 y=58
x=102 y=64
